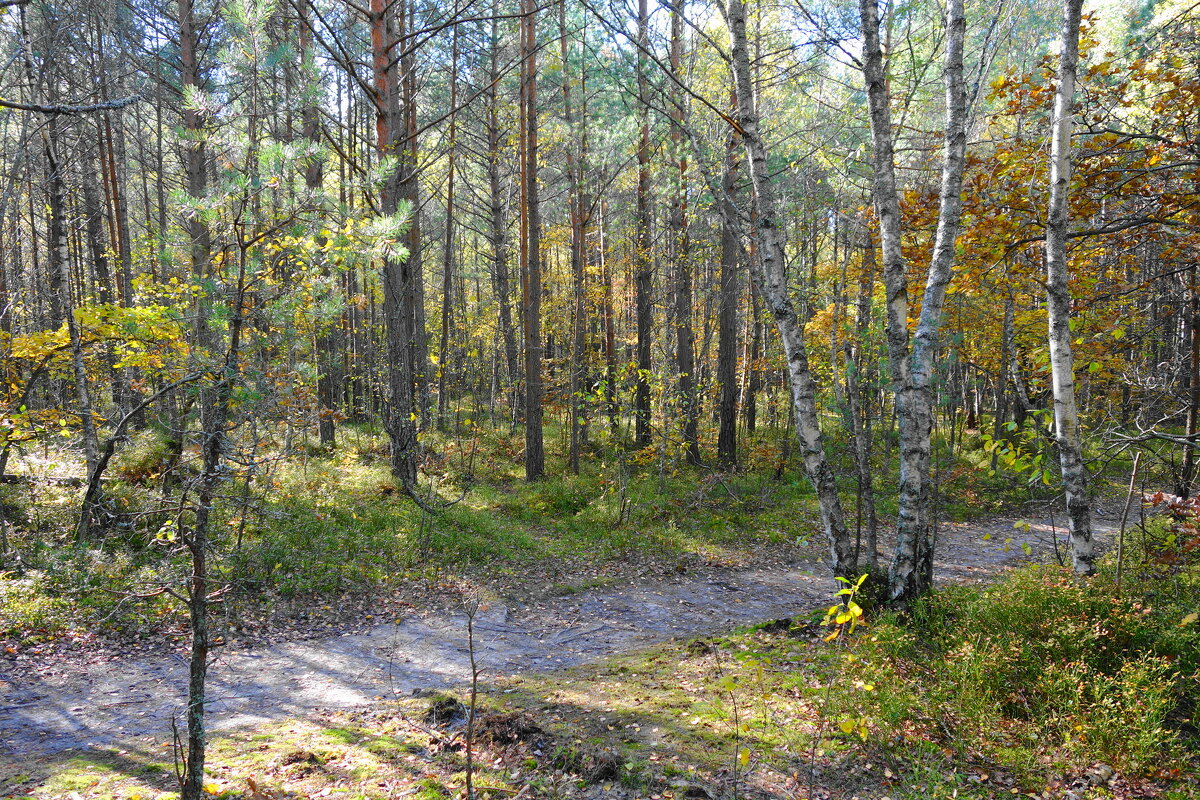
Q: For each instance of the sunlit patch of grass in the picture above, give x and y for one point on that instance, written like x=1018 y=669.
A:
x=25 y=606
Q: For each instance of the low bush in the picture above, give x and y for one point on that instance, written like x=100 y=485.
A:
x=1041 y=671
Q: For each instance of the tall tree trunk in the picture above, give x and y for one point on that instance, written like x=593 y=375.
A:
x=314 y=178
x=443 y=365
x=410 y=190
x=397 y=296
x=642 y=258
x=1058 y=299
x=911 y=571
x=769 y=277
x=215 y=413
x=498 y=224
x=727 y=343
x=531 y=278
x=195 y=158
x=578 y=209
x=612 y=403
x=685 y=338
x=751 y=370
x=196 y=179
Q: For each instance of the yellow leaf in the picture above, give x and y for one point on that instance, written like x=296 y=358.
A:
x=744 y=757
x=1189 y=619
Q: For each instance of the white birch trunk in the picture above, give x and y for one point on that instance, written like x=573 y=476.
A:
x=768 y=272
x=911 y=572
x=1058 y=300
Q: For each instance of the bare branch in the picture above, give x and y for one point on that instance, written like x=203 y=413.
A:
x=89 y=108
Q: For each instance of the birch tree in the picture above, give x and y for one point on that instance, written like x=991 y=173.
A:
x=771 y=282
x=911 y=356
x=1058 y=299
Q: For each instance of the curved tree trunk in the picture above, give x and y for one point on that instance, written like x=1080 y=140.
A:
x=768 y=271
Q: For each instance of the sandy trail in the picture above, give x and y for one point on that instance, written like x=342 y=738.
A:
x=54 y=707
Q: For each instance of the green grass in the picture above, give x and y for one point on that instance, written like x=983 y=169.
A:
x=319 y=525
x=1042 y=674
x=315 y=525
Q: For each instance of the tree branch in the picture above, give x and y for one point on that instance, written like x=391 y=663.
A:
x=107 y=105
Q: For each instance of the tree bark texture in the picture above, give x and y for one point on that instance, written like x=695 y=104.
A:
x=769 y=277
x=911 y=571
x=1058 y=299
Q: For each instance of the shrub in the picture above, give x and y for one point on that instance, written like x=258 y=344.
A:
x=145 y=457
x=1041 y=669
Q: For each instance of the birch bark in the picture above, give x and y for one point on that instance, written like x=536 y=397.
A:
x=769 y=277
x=911 y=358
x=1058 y=300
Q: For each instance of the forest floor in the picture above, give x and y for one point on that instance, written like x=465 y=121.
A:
x=60 y=702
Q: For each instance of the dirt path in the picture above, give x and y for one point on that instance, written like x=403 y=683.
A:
x=54 y=707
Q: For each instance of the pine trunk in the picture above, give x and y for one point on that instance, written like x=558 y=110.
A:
x=727 y=342
x=642 y=258
x=531 y=276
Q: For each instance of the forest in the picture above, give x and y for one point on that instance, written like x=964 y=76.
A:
x=599 y=399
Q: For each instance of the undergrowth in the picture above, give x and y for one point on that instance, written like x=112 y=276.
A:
x=307 y=525
x=1042 y=674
